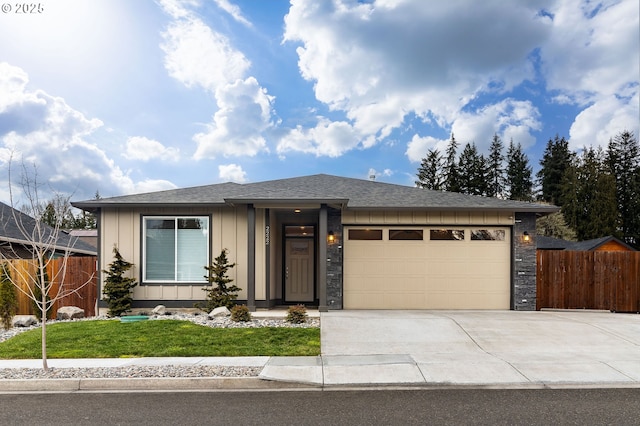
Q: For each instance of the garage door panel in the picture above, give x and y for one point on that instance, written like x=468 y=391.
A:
x=415 y=274
x=404 y=267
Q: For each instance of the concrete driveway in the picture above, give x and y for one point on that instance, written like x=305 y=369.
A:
x=482 y=347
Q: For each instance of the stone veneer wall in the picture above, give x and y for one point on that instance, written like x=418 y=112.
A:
x=334 y=260
x=524 y=263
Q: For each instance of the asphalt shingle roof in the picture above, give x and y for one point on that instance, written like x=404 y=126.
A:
x=549 y=243
x=12 y=222
x=353 y=193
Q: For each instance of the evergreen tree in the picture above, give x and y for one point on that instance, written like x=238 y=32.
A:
x=554 y=225
x=220 y=293
x=430 y=173
x=623 y=158
x=452 y=179
x=555 y=160
x=8 y=297
x=597 y=191
x=588 y=196
x=472 y=171
x=117 y=287
x=495 y=168
x=571 y=208
x=519 y=174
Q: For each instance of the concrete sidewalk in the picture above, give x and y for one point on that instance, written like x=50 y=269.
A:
x=413 y=348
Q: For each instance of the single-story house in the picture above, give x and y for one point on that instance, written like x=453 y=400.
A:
x=608 y=243
x=326 y=241
x=18 y=234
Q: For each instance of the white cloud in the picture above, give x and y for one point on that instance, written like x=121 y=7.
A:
x=244 y=114
x=43 y=131
x=327 y=138
x=509 y=118
x=595 y=125
x=152 y=185
x=379 y=61
x=418 y=146
x=144 y=149
x=178 y=8
x=232 y=173
x=592 y=60
x=198 y=56
x=593 y=48
x=234 y=11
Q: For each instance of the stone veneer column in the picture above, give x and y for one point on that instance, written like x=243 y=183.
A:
x=334 y=260
x=524 y=263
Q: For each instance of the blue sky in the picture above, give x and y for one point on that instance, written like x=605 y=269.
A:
x=122 y=97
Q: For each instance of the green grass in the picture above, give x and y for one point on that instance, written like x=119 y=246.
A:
x=167 y=338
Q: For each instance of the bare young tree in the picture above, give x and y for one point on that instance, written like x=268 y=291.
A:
x=42 y=243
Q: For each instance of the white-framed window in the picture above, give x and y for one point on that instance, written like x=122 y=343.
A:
x=175 y=248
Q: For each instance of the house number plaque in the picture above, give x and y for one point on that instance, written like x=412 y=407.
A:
x=267 y=235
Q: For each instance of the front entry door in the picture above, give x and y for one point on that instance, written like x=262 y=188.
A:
x=299 y=273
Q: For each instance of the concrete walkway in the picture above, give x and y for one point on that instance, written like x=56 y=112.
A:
x=414 y=348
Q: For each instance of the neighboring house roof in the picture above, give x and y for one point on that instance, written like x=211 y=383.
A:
x=83 y=232
x=14 y=222
x=347 y=192
x=548 y=243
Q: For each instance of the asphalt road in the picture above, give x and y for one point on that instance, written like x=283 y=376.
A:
x=328 y=407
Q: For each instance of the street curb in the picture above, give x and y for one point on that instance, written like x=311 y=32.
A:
x=145 y=384
x=199 y=384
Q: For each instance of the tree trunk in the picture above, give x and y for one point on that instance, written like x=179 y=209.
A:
x=44 y=291
x=44 y=340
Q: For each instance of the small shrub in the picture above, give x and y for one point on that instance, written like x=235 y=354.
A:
x=8 y=298
x=220 y=293
x=297 y=314
x=240 y=313
x=117 y=287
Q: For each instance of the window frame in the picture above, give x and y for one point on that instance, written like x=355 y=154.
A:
x=360 y=234
x=410 y=234
x=473 y=234
x=445 y=231
x=143 y=249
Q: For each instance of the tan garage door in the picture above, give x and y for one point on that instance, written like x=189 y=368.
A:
x=427 y=268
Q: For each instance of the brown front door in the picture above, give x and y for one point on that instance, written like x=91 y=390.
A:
x=299 y=270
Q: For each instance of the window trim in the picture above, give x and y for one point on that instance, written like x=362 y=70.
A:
x=143 y=249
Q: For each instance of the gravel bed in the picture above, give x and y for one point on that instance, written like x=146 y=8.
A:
x=151 y=371
x=129 y=372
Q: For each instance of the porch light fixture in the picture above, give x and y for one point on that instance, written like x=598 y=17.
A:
x=331 y=238
x=297 y=211
x=526 y=237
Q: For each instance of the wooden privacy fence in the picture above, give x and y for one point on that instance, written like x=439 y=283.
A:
x=588 y=280
x=79 y=271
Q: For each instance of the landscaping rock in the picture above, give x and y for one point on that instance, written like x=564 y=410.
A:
x=159 y=310
x=220 y=312
x=69 y=312
x=24 y=321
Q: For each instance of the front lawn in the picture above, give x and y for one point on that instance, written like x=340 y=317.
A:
x=167 y=338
